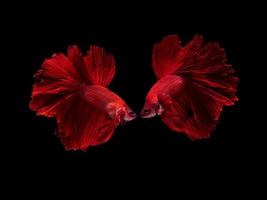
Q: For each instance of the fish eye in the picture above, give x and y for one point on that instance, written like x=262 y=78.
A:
x=146 y=111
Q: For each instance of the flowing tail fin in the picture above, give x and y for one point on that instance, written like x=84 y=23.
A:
x=210 y=84
x=56 y=93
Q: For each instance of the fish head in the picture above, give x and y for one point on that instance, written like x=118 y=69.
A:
x=125 y=114
x=121 y=113
x=151 y=108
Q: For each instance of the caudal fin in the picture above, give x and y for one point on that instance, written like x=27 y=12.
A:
x=210 y=84
x=57 y=82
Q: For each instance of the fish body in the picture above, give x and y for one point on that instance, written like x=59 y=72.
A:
x=194 y=83
x=73 y=89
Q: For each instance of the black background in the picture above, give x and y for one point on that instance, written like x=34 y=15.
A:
x=142 y=149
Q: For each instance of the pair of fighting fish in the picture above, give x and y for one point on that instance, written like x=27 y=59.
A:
x=194 y=83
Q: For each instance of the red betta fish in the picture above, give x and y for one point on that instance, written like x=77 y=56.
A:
x=194 y=83
x=73 y=90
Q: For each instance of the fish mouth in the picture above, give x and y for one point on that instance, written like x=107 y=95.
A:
x=130 y=117
x=147 y=116
x=133 y=115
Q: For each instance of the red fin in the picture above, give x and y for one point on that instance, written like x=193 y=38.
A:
x=194 y=112
x=164 y=57
x=58 y=68
x=81 y=126
x=175 y=113
x=57 y=82
x=76 y=57
x=100 y=66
